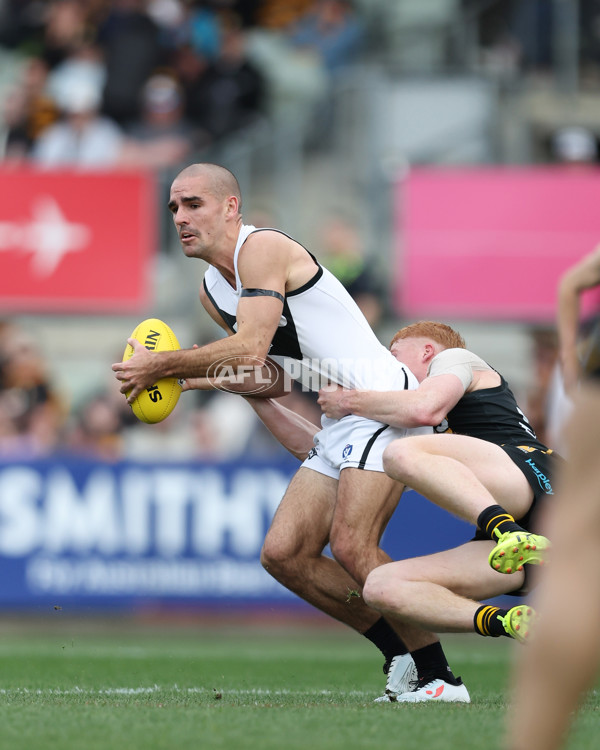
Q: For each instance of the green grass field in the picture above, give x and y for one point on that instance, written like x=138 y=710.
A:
x=90 y=685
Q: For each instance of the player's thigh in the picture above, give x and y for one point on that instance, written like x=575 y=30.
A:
x=366 y=501
x=488 y=462
x=302 y=521
x=464 y=570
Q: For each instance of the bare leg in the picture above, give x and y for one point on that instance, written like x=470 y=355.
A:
x=562 y=658
x=365 y=503
x=440 y=592
x=462 y=474
x=293 y=551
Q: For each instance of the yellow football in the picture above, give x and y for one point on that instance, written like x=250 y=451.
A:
x=157 y=402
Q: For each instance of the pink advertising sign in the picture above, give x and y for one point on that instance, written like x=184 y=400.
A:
x=492 y=243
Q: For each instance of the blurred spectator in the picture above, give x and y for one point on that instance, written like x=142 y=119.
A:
x=83 y=138
x=203 y=30
x=589 y=40
x=97 y=430
x=98 y=427
x=533 y=28
x=231 y=423
x=32 y=414
x=333 y=30
x=280 y=14
x=168 y=15
x=49 y=30
x=342 y=253
x=188 y=433
x=189 y=67
x=85 y=64
x=296 y=80
x=162 y=136
x=498 y=49
x=28 y=110
x=20 y=21
x=226 y=94
x=131 y=41
x=574 y=145
x=249 y=10
x=65 y=30
x=224 y=427
x=300 y=60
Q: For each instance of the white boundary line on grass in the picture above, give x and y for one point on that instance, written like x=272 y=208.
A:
x=173 y=689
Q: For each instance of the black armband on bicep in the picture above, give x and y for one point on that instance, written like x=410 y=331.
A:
x=262 y=293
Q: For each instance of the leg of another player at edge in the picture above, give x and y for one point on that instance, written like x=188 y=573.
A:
x=442 y=592
x=563 y=657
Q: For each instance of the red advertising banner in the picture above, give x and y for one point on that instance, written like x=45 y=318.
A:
x=492 y=243
x=76 y=242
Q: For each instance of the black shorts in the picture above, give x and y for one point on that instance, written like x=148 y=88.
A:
x=539 y=468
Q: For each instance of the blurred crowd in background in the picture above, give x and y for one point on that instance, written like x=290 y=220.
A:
x=126 y=83
x=156 y=84
x=153 y=83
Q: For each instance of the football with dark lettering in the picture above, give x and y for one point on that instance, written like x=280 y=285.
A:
x=157 y=402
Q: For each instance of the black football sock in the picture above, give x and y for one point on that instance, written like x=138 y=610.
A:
x=386 y=639
x=486 y=621
x=432 y=664
x=495 y=521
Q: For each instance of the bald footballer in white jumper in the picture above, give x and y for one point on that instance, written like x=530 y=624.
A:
x=275 y=300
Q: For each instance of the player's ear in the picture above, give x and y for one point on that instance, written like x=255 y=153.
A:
x=428 y=352
x=232 y=205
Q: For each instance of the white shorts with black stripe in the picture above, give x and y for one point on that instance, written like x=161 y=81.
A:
x=353 y=442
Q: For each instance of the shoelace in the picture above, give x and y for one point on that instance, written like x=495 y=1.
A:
x=388 y=665
x=421 y=682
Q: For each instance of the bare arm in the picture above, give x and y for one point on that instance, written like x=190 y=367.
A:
x=257 y=319
x=427 y=405
x=581 y=276
x=268 y=381
x=293 y=431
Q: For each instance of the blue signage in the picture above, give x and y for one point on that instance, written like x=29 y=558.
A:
x=89 y=533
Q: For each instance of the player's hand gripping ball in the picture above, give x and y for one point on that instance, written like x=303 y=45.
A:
x=157 y=402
